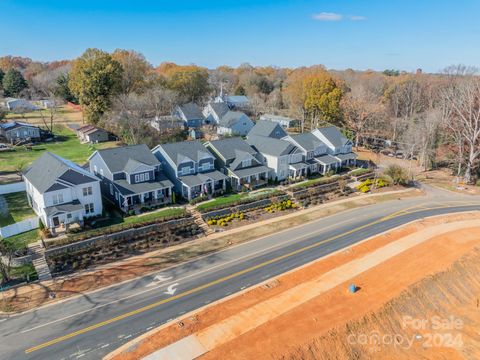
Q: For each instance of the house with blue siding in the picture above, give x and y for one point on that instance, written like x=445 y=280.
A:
x=191 y=168
x=131 y=177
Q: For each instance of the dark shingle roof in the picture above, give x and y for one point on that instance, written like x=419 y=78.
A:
x=334 y=136
x=49 y=169
x=191 y=111
x=268 y=129
x=228 y=148
x=220 y=108
x=64 y=208
x=15 y=124
x=230 y=118
x=178 y=151
x=125 y=158
x=307 y=140
x=126 y=188
x=271 y=146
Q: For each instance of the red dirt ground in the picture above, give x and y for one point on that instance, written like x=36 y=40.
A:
x=292 y=334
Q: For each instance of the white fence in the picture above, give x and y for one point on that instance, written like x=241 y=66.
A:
x=12 y=188
x=19 y=227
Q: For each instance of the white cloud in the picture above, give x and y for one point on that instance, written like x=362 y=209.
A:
x=357 y=18
x=327 y=16
x=330 y=16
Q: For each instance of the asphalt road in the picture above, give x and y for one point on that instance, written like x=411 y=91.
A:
x=94 y=324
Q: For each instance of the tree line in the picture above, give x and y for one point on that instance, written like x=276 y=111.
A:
x=435 y=117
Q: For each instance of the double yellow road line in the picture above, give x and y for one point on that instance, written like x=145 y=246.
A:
x=87 y=329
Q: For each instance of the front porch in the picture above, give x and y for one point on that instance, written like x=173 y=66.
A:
x=298 y=170
x=153 y=198
x=250 y=182
x=207 y=188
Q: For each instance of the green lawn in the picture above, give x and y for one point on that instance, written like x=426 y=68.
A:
x=18 y=208
x=66 y=145
x=232 y=198
x=153 y=215
x=21 y=241
x=314 y=181
x=223 y=200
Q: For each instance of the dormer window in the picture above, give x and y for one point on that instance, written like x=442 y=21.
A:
x=142 y=177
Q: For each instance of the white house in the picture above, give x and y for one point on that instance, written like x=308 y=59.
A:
x=283 y=121
x=234 y=123
x=214 y=111
x=20 y=104
x=61 y=192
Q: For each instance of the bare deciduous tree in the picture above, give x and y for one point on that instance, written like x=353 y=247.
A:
x=461 y=103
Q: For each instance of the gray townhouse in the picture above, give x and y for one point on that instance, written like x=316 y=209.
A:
x=131 y=177
x=240 y=162
x=191 y=168
x=282 y=157
x=314 y=152
x=337 y=144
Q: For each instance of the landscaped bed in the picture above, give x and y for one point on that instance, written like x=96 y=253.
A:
x=127 y=223
x=101 y=250
x=17 y=208
x=240 y=218
x=237 y=199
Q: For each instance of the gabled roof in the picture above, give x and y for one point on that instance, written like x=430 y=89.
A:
x=51 y=172
x=268 y=129
x=271 y=146
x=231 y=118
x=89 y=129
x=191 y=111
x=276 y=118
x=333 y=136
x=15 y=124
x=228 y=148
x=308 y=141
x=240 y=156
x=127 y=157
x=179 y=151
x=237 y=99
x=219 y=108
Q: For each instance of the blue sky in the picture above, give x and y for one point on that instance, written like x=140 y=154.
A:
x=359 y=34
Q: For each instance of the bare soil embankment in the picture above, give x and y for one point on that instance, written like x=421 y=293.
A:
x=409 y=284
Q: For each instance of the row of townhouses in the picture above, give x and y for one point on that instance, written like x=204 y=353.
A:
x=134 y=176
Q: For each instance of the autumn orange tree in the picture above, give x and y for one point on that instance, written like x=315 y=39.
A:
x=314 y=96
x=189 y=81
